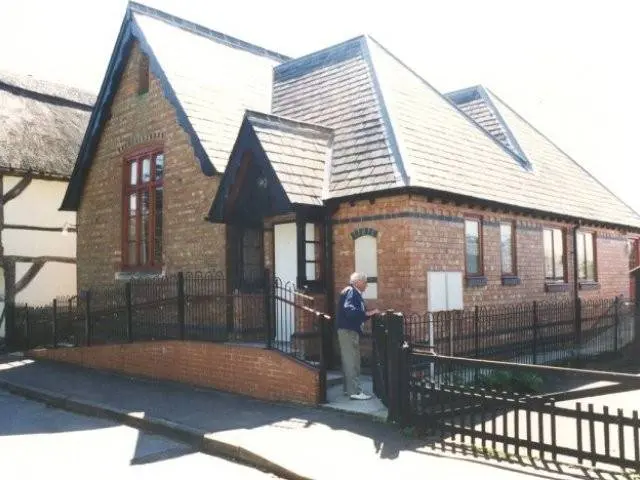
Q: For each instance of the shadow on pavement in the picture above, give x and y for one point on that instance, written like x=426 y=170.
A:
x=20 y=416
x=231 y=416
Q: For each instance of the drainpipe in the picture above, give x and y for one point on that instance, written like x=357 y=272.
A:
x=329 y=279
x=576 y=298
x=575 y=262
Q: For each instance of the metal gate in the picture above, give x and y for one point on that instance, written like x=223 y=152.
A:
x=379 y=366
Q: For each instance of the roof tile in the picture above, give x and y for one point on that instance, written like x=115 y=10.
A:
x=298 y=153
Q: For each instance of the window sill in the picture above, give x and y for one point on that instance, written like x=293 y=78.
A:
x=313 y=286
x=554 y=287
x=126 y=275
x=588 y=285
x=479 y=281
x=510 y=280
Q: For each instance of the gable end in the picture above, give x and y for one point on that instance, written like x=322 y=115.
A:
x=129 y=33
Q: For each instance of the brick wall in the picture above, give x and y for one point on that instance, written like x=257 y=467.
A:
x=418 y=235
x=189 y=242
x=259 y=373
x=395 y=250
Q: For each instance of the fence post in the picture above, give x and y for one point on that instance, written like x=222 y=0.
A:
x=578 y=328
x=323 y=323
x=9 y=325
x=128 y=295
x=181 y=305
x=375 y=382
x=395 y=340
x=71 y=335
x=27 y=325
x=616 y=317
x=449 y=318
x=535 y=332
x=54 y=325
x=87 y=319
x=476 y=331
x=268 y=299
x=404 y=377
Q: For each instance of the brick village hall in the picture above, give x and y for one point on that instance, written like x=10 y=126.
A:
x=205 y=152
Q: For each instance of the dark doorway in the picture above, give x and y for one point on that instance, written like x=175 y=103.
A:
x=246 y=258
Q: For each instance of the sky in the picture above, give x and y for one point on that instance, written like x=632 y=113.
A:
x=569 y=67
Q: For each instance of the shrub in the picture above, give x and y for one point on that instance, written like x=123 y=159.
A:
x=520 y=382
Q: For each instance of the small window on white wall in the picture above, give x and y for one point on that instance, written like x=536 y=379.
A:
x=366 y=252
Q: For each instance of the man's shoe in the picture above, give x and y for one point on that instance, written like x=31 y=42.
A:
x=360 y=396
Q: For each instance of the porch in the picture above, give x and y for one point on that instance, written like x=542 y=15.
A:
x=270 y=200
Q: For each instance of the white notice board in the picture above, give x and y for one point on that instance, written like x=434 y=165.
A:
x=444 y=291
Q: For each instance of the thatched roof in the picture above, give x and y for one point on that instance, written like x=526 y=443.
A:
x=42 y=125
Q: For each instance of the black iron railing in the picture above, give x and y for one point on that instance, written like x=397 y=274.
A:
x=495 y=414
x=537 y=332
x=192 y=306
x=511 y=408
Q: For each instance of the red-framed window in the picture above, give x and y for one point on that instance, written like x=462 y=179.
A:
x=143 y=205
x=555 y=258
x=508 y=248
x=586 y=256
x=474 y=265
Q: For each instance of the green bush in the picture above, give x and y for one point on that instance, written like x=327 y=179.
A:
x=505 y=381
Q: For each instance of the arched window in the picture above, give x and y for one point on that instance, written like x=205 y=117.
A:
x=366 y=253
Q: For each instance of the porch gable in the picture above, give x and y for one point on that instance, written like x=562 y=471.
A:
x=276 y=165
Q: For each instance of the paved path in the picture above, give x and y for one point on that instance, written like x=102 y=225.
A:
x=303 y=442
x=36 y=441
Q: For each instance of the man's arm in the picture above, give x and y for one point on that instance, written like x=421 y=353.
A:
x=353 y=308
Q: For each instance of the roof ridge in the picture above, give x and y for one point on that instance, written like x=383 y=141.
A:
x=306 y=56
x=314 y=126
x=401 y=163
x=513 y=141
x=20 y=83
x=447 y=100
x=203 y=31
x=478 y=92
x=584 y=169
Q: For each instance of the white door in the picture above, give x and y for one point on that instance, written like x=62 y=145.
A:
x=286 y=269
x=3 y=322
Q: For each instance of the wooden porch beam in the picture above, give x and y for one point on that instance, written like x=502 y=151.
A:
x=44 y=259
x=27 y=277
x=239 y=181
x=39 y=229
x=17 y=189
x=38 y=263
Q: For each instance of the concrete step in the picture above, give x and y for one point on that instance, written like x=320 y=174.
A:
x=334 y=377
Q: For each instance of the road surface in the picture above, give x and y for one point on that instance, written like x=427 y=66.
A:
x=36 y=440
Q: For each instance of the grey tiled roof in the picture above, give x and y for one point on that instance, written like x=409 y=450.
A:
x=393 y=129
x=475 y=103
x=389 y=127
x=444 y=150
x=298 y=152
x=214 y=82
x=334 y=88
x=559 y=183
x=441 y=148
x=479 y=110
